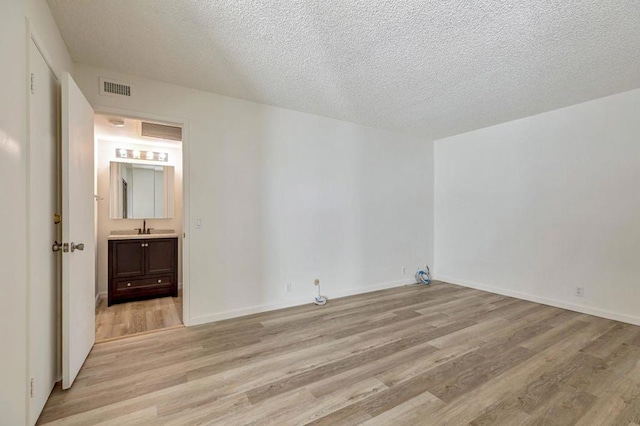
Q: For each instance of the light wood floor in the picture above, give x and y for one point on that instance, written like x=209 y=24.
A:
x=405 y=356
x=127 y=319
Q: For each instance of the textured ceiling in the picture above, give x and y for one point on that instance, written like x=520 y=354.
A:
x=425 y=68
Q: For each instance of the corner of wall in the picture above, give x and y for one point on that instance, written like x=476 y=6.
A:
x=583 y=309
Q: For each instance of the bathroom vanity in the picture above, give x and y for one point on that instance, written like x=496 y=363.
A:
x=142 y=266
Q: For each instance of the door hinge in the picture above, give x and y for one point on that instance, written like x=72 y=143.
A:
x=56 y=218
x=33 y=83
x=32 y=387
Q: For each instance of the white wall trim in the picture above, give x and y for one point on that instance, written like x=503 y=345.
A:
x=603 y=313
x=293 y=302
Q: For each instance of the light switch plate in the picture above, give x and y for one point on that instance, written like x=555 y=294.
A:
x=198 y=223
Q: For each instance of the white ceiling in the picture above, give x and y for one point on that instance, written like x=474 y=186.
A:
x=426 y=68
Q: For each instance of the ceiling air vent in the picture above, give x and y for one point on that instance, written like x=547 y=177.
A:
x=111 y=87
x=161 y=131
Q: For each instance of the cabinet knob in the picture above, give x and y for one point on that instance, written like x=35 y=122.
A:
x=142 y=245
x=128 y=284
x=159 y=281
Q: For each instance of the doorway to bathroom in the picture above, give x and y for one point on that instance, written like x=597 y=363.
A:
x=139 y=226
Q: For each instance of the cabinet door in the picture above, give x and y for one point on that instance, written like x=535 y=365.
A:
x=161 y=255
x=128 y=258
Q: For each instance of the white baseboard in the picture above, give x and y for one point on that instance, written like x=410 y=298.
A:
x=545 y=301
x=234 y=313
x=101 y=295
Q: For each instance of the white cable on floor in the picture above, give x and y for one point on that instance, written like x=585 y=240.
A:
x=423 y=277
x=319 y=300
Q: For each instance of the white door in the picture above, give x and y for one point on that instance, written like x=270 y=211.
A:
x=44 y=290
x=78 y=260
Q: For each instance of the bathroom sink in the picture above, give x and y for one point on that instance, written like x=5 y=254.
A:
x=133 y=235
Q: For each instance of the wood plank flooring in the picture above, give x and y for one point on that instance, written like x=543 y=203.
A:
x=128 y=319
x=434 y=355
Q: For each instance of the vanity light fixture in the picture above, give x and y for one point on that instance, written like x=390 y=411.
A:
x=134 y=154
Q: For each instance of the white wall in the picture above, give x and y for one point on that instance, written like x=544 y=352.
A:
x=287 y=196
x=106 y=150
x=13 y=303
x=539 y=206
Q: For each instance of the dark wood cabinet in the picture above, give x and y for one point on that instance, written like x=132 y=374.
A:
x=142 y=269
x=160 y=256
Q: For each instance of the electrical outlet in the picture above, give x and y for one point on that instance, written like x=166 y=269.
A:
x=580 y=291
x=287 y=288
x=402 y=270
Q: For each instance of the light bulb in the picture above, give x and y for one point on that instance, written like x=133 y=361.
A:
x=123 y=153
x=149 y=155
x=162 y=156
x=136 y=154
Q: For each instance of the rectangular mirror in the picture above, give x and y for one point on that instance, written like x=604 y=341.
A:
x=141 y=191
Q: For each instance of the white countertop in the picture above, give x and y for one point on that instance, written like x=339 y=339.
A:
x=141 y=236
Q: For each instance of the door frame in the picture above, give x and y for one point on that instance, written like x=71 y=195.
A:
x=32 y=35
x=184 y=123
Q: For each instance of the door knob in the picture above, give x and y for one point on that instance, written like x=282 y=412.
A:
x=56 y=246
x=75 y=247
